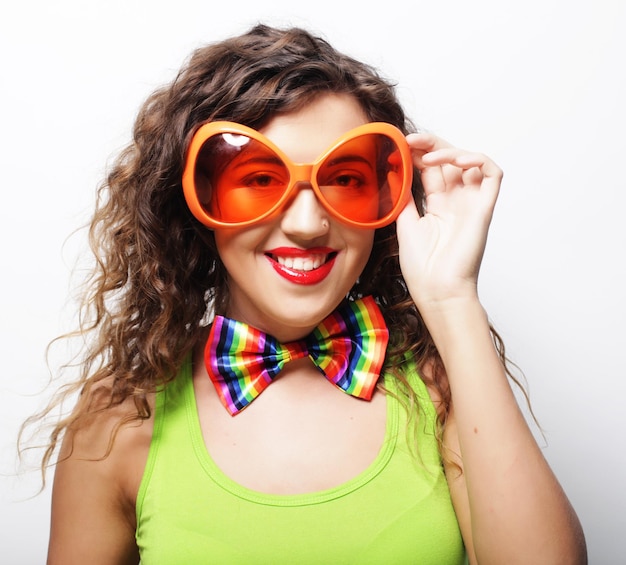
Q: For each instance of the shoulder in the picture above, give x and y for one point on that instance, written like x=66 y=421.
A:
x=450 y=450
x=422 y=382
x=110 y=441
x=96 y=480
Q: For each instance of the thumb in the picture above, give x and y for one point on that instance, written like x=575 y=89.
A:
x=407 y=219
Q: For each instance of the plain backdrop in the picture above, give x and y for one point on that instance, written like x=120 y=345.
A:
x=538 y=85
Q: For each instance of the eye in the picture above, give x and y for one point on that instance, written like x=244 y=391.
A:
x=263 y=180
x=347 y=180
x=354 y=179
x=347 y=170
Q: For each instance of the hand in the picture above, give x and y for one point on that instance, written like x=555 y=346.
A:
x=441 y=251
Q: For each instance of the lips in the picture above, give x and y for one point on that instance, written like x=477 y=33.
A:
x=302 y=266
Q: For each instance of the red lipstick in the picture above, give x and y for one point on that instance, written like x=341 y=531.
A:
x=282 y=261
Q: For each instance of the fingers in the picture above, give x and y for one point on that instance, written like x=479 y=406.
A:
x=464 y=160
x=433 y=178
x=444 y=167
x=426 y=142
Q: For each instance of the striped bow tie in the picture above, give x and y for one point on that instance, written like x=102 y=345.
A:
x=348 y=347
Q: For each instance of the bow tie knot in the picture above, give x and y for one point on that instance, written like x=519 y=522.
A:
x=348 y=347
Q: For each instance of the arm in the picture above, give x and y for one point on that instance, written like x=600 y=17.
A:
x=510 y=506
x=93 y=498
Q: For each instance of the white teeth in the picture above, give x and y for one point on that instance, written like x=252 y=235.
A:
x=302 y=263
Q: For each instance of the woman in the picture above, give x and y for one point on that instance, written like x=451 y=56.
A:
x=209 y=226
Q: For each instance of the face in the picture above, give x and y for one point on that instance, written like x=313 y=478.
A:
x=289 y=272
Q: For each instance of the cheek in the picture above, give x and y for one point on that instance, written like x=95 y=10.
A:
x=241 y=250
x=361 y=242
x=222 y=244
x=233 y=246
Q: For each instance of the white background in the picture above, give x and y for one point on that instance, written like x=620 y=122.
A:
x=539 y=85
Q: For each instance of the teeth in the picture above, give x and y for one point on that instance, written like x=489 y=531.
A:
x=302 y=263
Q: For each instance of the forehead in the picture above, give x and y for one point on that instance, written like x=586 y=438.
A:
x=307 y=132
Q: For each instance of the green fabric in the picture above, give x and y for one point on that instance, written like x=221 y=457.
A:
x=395 y=512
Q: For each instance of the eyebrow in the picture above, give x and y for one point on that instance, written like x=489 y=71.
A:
x=351 y=158
x=262 y=160
x=275 y=160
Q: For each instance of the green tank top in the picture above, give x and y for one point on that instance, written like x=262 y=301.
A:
x=398 y=511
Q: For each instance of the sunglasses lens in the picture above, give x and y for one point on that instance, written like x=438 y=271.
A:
x=362 y=179
x=237 y=178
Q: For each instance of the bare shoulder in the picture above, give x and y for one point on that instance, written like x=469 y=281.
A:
x=113 y=442
x=95 y=487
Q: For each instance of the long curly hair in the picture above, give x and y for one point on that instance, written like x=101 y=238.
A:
x=158 y=278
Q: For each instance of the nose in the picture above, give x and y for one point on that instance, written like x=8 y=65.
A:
x=305 y=217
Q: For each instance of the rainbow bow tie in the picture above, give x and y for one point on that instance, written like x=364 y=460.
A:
x=348 y=347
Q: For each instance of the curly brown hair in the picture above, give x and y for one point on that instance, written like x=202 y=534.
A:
x=158 y=278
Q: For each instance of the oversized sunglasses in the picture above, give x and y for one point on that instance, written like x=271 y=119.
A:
x=234 y=176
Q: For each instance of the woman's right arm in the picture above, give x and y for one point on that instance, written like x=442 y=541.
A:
x=93 y=495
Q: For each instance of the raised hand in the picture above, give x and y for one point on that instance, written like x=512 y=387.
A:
x=441 y=251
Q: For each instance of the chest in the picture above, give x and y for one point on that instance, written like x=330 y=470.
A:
x=301 y=435
x=397 y=510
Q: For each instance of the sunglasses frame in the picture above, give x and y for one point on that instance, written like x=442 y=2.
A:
x=298 y=172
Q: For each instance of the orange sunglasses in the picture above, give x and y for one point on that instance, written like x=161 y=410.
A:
x=234 y=176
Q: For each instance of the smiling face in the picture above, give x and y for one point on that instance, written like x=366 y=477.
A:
x=287 y=273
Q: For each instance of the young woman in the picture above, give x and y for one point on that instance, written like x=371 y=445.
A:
x=290 y=362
